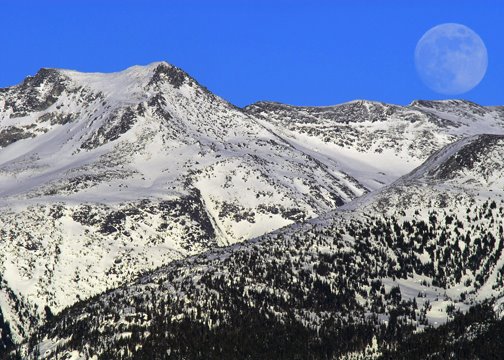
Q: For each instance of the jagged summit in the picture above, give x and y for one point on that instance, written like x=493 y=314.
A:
x=462 y=112
x=146 y=76
x=132 y=85
x=135 y=73
x=150 y=67
x=336 y=109
x=447 y=102
x=266 y=103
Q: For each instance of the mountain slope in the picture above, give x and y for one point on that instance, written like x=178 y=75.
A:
x=334 y=282
x=468 y=336
x=104 y=176
x=375 y=142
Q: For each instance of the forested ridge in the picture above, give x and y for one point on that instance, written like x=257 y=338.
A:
x=314 y=293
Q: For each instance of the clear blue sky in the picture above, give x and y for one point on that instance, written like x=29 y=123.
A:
x=297 y=52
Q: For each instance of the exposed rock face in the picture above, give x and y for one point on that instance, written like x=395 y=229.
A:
x=12 y=134
x=36 y=93
x=480 y=157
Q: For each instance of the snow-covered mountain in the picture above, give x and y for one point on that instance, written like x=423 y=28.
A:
x=409 y=255
x=103 y=176
x=106 y=176
x=376 y=142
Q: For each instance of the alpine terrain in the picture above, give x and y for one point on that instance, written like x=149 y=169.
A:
x=143 y=217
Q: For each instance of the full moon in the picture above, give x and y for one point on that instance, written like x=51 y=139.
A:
x=451 y=59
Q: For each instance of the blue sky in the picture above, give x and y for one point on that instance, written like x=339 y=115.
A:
x=297 y=52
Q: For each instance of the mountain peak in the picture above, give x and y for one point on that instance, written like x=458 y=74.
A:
x=144 y=69
x=135 y=78
x=166 y=72
x=444 y=103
